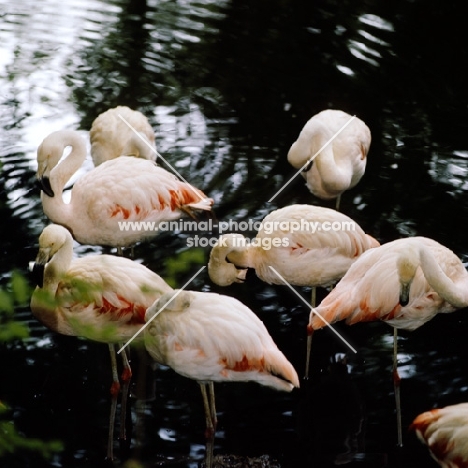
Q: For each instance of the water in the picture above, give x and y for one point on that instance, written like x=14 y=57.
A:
x=227 y=87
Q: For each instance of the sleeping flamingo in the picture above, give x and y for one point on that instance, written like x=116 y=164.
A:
x=213 y=338
x=111 y=137
x=404 y=283
x=124 y=189
x=341 y=162
x=99 y=297
x=445 y=432
x=307 y=245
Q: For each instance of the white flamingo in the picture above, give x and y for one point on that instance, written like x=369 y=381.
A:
x=307 y=245
x=111 y=137
x=341 y=162
x=404 y=283
x=99 y=297
x=445 y=432
x=125 y=189
x=210 y=338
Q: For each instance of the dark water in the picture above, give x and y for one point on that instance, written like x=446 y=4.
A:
x=227 y=86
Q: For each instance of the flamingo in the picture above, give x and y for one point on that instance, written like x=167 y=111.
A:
x=111 y=137
x=341 y=159
x=99 y=297
x=125 y=189
x=298 y=242
x=445 y=432
x=404 y=283
x=210 y=338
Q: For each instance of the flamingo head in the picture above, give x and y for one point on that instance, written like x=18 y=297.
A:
x=49 y=153
x=52 y=239
x=407 y=264
x=222 y=270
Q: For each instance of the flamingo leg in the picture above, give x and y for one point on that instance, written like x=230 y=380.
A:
x=126 y=377
x=396 y=386
x=212 y=404
x=308 y=351
x=338 y=201
x=114 y=391
x=313 y=301
x=209 y=431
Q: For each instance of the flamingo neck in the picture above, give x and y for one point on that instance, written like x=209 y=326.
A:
x=455 y=293
x=242 y=256
x=55 y=208
x=140 y=147
x=57 y=267
x=335 y=178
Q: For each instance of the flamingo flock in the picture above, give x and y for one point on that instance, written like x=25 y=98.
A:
x=211 y=337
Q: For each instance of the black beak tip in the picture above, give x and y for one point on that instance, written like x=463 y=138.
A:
x=44 y=184
x=404 y=301
x=36 y=273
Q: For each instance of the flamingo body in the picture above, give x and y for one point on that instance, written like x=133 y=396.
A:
x=111 y=137
x=125 y=189
x=445 y=432
x=99 y=297
x=302 y=257
x=213 y=338
x=341 y=164
x=371 y=288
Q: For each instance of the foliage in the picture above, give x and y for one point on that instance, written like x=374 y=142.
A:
x=11 y=440
x=17 y=293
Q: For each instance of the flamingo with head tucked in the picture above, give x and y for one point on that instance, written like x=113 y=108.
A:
x=99 y=297
x=210 y=338
x=307 y=245
x=404 y=283
x=122 y=190
x=341 y=159
x=112 y=137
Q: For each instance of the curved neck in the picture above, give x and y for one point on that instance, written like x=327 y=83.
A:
x=61 y=172
x=454 y=293
x=139 y=146
x=334 y=177
x=57 y=267
x=242 y=256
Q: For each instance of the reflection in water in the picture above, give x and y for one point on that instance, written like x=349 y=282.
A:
x=227 y=87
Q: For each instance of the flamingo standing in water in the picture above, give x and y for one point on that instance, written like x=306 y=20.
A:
x=404 y=283
x=213 y=338
x=125 y=189
x=445 y=432
x=304 y=245
x=340 y=162
x=111 y=137
x=307 y=245
x=99 y=297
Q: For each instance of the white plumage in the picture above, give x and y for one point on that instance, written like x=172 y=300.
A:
x=111 y=137
x=125 y=189
x=445 y=432
x=341 y=164
x=212 y=338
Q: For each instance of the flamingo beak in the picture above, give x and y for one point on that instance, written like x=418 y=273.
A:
x=404 y=294
x=46 y=187
x=36 y=271
x=241 y=275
